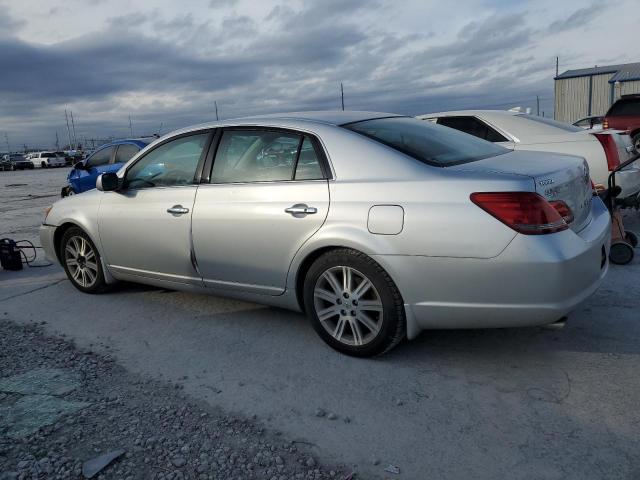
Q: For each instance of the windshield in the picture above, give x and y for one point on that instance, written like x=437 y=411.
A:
x=552 y=123
x=424 y=141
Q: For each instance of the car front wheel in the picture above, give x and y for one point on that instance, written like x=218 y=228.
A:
x=353 y=304
x=81 y=261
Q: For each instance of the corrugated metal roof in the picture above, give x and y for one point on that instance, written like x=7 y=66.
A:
x=622 y=73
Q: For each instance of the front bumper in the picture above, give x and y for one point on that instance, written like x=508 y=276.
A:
x=536 y=280
x=47 y=241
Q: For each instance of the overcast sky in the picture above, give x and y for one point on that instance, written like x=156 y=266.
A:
x=166 y=61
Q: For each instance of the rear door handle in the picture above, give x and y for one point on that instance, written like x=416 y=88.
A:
x=177 y=210
x=300 y=210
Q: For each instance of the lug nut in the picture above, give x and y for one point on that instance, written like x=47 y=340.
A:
x=353 y=313
x=345 y=295
x=343 y=312
x=339 y=301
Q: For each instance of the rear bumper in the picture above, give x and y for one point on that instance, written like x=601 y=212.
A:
x=536 y=280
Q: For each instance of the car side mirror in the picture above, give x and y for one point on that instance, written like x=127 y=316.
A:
x=79 y=166
x=108 y=182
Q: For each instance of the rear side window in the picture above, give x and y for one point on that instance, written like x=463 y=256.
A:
x=308 y=166
x=472 y=126
x=125 y=152
x=101 y=157
x=426 y=142
x=255 y=156
x=625 y=107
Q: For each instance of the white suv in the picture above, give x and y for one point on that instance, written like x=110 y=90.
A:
x=46 y=159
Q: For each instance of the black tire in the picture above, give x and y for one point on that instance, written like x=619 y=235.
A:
x=636 y=142
x=392 y=325
x=632 y=238
x=70 y=238
x=621 y=252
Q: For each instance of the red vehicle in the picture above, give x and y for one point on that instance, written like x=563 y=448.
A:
x=624 y=114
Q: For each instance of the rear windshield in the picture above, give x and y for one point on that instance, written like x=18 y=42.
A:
x=552 y=123
x=626 y=106
x=425 y=141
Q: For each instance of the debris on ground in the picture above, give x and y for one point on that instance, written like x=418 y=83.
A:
x=92 y=467
x=392 y=469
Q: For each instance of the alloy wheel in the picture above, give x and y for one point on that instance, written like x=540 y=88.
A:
x=81 y=261
x=637 y=144
x=348 y=305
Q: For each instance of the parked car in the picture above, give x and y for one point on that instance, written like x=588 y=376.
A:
x=15 y=161
x=380 y=226
x=603 y=150
x=107 y=158
x=590 y=123
x=624 y=114
x=46 y=159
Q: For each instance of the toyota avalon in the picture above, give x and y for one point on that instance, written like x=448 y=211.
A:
x=376 y=225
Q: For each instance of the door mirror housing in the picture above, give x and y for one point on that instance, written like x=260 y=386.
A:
x=79 y=166
x=108 y=182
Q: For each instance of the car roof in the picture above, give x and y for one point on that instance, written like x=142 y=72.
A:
x=289 y=119
x=142 y=141
x=332 y=117
x=469 y=112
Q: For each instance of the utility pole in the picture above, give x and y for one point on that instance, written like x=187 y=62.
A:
x=57 y=142
x=215 y=104
x=73 y=127
x=6 y=138
x=66 y=117
x=557 y=65
x=538 y=105
x=342 y=95
x=160 y=128
x=130 y=126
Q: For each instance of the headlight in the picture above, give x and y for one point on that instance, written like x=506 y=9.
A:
x=46 y=213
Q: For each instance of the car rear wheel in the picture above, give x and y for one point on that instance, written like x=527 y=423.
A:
x=353 y=304
x=636 y=142
x=81 y=261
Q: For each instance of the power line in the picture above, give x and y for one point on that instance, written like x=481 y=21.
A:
x=342 y=95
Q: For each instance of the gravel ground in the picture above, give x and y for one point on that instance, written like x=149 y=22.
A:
x=163 y=433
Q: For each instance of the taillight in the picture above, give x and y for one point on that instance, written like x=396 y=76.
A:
x=605 y=124
x=525 y=212
x=610 y=149
x=563 y=210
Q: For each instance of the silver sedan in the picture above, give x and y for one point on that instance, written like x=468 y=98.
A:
x=377 y=226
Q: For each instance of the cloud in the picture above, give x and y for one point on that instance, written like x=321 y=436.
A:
x=168 y=64
x=577 y=19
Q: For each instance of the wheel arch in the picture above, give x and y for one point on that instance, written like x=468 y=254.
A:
x=57 y=239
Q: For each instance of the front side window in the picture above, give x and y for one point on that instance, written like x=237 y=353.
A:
x=255 y=156
x=172 y=164
x=101 y=157
x=125 y=152
x=426 y=142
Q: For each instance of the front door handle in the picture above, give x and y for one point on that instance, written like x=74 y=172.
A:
x=177 y=210
x=300 y=210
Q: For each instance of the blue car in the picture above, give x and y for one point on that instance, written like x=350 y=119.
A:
x=107 y=158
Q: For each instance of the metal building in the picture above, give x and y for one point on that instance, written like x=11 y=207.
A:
x=590 y=91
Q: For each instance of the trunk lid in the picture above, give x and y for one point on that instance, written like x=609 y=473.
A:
x=555 y=177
